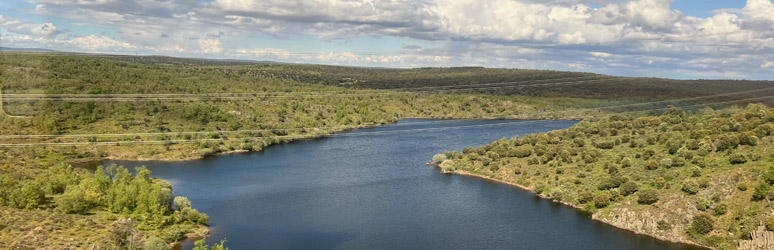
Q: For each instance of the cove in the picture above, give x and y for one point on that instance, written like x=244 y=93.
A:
x=369 y=189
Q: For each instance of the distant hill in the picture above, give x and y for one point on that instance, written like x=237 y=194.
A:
x=25 y=49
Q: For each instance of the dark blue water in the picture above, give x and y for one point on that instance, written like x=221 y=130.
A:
x=370 y=189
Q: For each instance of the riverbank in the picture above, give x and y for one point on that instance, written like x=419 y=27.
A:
x=181 y=155
x=594 y=216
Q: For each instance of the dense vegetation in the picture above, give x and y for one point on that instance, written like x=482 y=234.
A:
x=60 y=108
x=704 y=177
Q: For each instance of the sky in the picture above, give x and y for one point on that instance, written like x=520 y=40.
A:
x=685 y=39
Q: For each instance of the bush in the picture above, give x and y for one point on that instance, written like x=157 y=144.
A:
x=761 y=191
x=737 y=158
x=626 y=162
x=124 y=233
x=690 y=187
x=605 y=144
x=585 y=197
x=181 y=203
x=156 y=243
x=651 y=165
x=202 y=245
x=521 y=151
x=720 y=210
x=748 y=139
x=447 y=165
x=647 y=196
x=628 y=188
x=663 y=225
x=726 y=142
x=702 y=204
x=770 y=223
x=438 y=158
x=769 y=176
x=702 y=224
x=72 y=201
x=602 y=200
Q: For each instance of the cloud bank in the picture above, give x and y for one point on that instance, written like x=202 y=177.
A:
x=636 y=37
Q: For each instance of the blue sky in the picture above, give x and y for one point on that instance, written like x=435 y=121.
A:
x=658 y=38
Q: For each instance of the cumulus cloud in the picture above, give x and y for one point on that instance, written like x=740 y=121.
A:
x=93 y=42
x=767 y=65
x=30 y=28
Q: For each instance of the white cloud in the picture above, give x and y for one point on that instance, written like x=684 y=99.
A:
x=93 y=42
x=600 y=54
x=767 y=65
x=644 y=35
x=210 y=46
x=30 y=28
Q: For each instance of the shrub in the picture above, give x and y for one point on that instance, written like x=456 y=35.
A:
x=720 y=210
x=702 y=224
x=452 y=155
x=72 y=201
x=651 y=165
x=770 y=223
x=769 y=176
x=626 y=162
x=181 y=202
x=585 y=197
x=748 y=139
x=690 y=187
x=155 y=243
x=702 y=204
x=447 y=165
x=737 y=158
x=602 y=200
x=663 y=225
x=438 y=158
x=202 y=245
x=647 y=196
x=124 y=233
x=628 y=188
x=605 y=144
x=521 y=151
x=726 y=142
x=761 y=191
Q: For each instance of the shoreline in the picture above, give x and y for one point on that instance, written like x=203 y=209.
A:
x=579 y=208
x=302 y=139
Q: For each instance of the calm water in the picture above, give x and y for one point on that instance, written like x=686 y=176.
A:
x=370 y=189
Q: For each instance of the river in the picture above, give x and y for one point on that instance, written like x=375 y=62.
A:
x=370 y=189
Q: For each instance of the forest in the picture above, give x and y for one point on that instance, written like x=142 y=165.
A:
x=62 y=109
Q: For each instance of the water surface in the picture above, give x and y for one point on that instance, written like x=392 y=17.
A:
x=370 y=189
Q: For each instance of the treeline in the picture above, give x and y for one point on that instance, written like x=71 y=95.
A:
x=713 y=167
